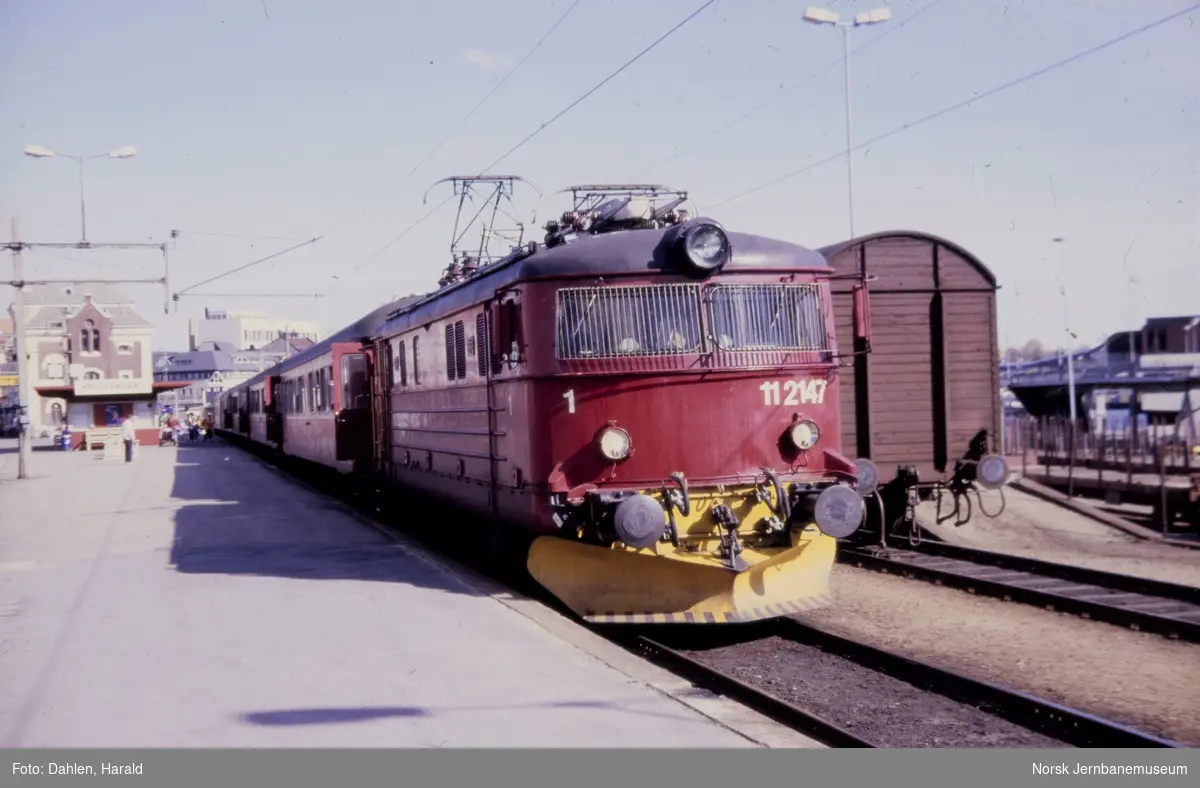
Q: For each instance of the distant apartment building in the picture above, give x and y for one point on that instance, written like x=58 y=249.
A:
x=203 y=373
x=247 y=330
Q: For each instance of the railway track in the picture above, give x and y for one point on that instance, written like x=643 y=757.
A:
x=1154 y=606
x=1055 y=721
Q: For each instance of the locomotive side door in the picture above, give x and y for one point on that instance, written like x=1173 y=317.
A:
x=274 y=417
x=353 y=432
x=381 y=411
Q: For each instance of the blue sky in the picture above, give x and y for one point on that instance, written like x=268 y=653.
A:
x=305 y=119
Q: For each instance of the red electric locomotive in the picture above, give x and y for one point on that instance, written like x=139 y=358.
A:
x=652 y=397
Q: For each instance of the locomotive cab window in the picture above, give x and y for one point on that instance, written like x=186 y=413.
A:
x=355 y=384
x=766 y=317
x=507 y=349
x=654 y=320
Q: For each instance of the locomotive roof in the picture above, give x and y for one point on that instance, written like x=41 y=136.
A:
x=972 y=260
x=626 y=253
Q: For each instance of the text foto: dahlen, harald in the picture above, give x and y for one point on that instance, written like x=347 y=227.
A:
x=86 y=769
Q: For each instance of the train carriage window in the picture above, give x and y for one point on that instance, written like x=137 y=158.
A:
x=451 y=367
x=402 y=363
x=656 y=320
x=311 y=392
x=329 y=387
x=460 y=351
x=355 y=383
x=766 y=317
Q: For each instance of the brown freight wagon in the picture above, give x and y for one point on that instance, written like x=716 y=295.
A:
x=930 y=386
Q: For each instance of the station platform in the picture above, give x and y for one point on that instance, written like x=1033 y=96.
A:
x=198 y=597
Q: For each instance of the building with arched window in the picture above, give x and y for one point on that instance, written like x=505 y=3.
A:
x=88 y=363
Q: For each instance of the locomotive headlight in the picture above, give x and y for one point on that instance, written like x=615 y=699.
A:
x=804 y=434
x=706 y=246
x=614 y=443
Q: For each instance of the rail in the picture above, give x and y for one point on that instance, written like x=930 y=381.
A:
x=1148 y=605
x=1060 y=722
x=777 y=709
x=1064 y=723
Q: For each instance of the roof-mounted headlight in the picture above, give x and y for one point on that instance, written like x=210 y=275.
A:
x=804 y=434
x=614 y=443
x=706 y=246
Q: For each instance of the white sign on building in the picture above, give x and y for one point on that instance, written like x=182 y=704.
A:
x=107 y=387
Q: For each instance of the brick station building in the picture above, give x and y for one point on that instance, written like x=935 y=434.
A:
x=88 y=363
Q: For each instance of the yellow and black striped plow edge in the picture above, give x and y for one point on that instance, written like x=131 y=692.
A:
x=707 y=617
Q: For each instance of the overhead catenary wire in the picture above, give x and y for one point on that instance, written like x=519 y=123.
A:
x=248 y=265
x=454 y=131
x=254 y=295
x=499 y=85
x=600 y=84
x=965 y=102
x=418 y=165
x=390 y=243
x=792 y=88
x=248 y=237
x=537 y=131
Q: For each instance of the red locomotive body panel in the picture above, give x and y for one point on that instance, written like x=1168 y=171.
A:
x=722 y=427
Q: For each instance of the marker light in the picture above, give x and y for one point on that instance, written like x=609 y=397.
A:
x=804 y=434
x=614 y=443
x=992 y=472
x=868 y=476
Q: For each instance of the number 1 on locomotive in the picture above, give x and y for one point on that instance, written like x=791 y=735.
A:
x=795 y=392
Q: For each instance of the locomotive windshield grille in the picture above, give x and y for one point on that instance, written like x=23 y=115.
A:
x=607 y=322
x=766 y=317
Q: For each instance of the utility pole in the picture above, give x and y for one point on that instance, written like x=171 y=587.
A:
x=22 y=355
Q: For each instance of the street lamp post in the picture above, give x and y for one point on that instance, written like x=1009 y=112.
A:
x=1067 y=327
x=38 y=152
x=821 y=16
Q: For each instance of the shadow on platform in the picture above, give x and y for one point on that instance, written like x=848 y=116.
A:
x=285 y=718
x=237 y=516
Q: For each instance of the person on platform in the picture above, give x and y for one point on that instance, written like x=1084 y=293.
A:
x=207 y=425
x=128 y=435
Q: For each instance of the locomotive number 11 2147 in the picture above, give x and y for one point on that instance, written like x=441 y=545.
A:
x=794 y=392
